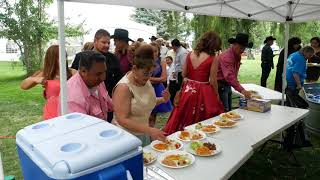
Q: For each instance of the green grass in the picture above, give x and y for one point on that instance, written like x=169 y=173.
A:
x=250 y=72
x=20 y=108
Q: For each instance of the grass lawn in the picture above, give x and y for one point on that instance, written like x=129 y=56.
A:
x=20 y=108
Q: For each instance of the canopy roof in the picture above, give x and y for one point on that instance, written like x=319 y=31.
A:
x=262 y=10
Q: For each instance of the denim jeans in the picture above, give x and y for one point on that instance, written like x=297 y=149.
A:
x=225 y=94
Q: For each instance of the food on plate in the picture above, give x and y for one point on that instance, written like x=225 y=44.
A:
x=253 y=92
x=256 y=97
x=176 y=160
x=203 y=148
x=230 y=115
x=190 y=135
x=148 y=157
x=168 y=144
x=225 y=123
x=206 y=128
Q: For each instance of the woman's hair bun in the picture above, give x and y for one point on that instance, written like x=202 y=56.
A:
x=145 y=51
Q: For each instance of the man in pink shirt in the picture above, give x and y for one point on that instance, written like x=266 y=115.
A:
x=86 y=90
x=228 y=68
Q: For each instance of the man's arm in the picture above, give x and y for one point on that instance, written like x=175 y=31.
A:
x=270 y=57
x=299 y=69
x=183 y=58
x=296 y=78
x=229 y=74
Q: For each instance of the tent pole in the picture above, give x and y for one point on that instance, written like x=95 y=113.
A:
x=1 y=169
x=286 y=38
x=62 y=59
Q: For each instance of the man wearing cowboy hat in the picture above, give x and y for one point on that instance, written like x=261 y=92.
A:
x=266 y=60
x=121 y=41
x=228 y=68
x=153 y=38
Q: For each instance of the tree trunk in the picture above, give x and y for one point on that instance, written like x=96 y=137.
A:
x=250 y=54
x=27 y=60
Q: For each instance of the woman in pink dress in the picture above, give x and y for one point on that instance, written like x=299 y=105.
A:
x=48 y=77
x=199 y=98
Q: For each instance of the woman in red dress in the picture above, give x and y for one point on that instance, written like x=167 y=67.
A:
x=199 y=99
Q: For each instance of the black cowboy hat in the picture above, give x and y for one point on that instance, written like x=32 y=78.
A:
x=121 y=34
x=153 y=38
x=242 y=39
x=268 y=39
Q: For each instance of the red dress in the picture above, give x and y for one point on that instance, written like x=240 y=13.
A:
x=51 y=94
x=198 y=100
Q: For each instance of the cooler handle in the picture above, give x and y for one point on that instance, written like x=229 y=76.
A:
x=129 y=177
x=116 y=172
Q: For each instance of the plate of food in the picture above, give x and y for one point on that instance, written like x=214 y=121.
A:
x=176 y=159
x=253 y=92
x=225 y=123
x=256 y=96
x=167 y=145
x=149 y=157
x=190 y=135
x=231 y=115
x=206 y=128
x=204 y=148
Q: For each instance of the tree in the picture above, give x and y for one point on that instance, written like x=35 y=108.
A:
x=170 y=24
x=26 y=23
x=226 y=27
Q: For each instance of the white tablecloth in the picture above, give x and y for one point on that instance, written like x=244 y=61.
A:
x=237 y=143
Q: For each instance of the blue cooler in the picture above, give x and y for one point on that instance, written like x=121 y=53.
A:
x=81 y=147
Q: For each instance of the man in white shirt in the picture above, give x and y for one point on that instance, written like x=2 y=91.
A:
x=181 y=55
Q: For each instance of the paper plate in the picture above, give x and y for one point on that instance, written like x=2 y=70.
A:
x=233 y=119
x=157 y=142
x=177 y=134
x=215 y=152
x=234 y=125
x=153 y=155
x=176 y=152
x=193 y=128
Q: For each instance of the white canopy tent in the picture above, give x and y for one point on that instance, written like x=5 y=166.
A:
x=282 y=11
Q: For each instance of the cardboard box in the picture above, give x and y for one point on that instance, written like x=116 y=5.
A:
x=257 y=105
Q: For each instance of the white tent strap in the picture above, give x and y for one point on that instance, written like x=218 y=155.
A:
x=307 y=13
x=296 y=4
x=175 y=3
x=236 y=9
x=211 y=4
x=308 y=4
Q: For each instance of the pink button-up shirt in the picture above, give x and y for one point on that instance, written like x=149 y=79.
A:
x=81 y=99
x=228 y=68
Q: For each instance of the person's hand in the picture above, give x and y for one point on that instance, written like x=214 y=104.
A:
x=299 y=87
x=157 y=134
x=38 y=80
x=176 y=98
x=166 y=95
x=246 y=94
x=174 y=75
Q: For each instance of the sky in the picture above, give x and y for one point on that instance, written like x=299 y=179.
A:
x=98 y=16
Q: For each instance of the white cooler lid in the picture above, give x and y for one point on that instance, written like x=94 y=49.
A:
x=44 y=130
x=94 y=146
